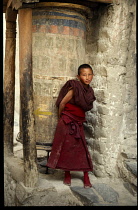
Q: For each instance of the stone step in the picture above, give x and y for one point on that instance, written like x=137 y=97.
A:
x=128 y=172
x=130 y=152
x=131 y=165
x=102 y=194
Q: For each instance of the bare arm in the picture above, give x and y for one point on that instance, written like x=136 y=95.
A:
x=65 y=100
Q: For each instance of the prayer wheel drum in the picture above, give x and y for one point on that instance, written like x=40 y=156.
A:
x=58 y=48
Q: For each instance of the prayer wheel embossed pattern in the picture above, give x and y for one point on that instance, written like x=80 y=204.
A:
x=58 y=48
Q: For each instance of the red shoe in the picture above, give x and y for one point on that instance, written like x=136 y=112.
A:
x=67 y=178
x=87 y=183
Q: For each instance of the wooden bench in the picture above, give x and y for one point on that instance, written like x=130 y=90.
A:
x=47 y=147
x=39 y=146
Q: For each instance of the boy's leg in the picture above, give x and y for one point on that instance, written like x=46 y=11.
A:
x=67 y=178
x=86 y=180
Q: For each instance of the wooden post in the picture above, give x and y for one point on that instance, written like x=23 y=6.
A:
x=9 y=80
x=26 y=97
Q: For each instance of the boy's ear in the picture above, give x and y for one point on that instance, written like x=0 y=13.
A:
x=78 y=77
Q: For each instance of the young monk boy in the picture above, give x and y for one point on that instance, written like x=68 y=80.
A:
x=69 y=150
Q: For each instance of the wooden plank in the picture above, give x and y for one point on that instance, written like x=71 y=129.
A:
x=43 y=148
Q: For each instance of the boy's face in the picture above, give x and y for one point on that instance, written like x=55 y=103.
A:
x=86 y=76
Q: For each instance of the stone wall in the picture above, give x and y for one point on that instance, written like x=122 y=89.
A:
x=111 y=50
x=13 y=174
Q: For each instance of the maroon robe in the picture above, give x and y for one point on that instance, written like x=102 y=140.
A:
x=69 y=150
x=83 y=95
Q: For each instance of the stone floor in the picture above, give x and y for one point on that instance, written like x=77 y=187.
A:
x=104 y=192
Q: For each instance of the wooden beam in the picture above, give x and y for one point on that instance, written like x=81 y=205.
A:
x=10 y=15
x=102 y=1
x=9 y=3
x=26 y=97
x=9 y=82
x=16 y=4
